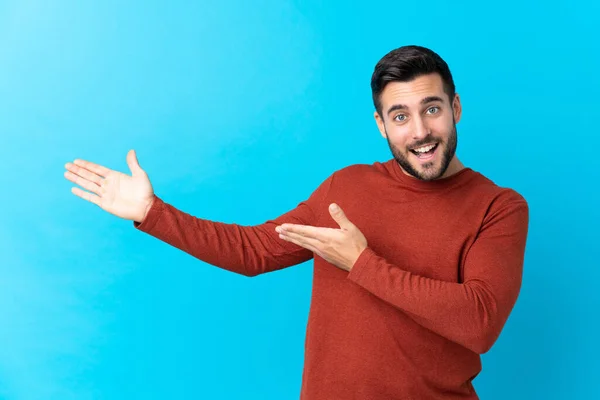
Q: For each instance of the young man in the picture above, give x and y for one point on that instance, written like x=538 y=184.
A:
x=417 y=260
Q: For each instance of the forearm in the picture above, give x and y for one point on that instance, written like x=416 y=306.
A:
x=247 y=250
x=470 y=313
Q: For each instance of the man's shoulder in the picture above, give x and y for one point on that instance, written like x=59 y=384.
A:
x=497 y=194
x=361 y=169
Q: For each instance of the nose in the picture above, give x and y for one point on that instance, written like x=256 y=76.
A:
x=421 y=130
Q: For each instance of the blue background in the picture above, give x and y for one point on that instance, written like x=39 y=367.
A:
x=237 y=111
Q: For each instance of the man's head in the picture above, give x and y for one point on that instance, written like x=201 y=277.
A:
x=416 y=110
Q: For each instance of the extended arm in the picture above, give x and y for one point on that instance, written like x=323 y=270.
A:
x=247 y=250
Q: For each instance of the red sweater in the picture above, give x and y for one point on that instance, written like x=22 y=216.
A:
x=432 y=291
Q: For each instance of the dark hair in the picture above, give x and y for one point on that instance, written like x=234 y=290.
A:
x=405 y=64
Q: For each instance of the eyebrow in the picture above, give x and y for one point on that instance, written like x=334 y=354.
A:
x=428 y=99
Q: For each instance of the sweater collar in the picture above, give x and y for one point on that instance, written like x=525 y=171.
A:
x=457 y=179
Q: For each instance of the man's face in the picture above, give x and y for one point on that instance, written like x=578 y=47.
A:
x=419 y=124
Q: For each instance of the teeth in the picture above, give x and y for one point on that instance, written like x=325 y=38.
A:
x=424 y=149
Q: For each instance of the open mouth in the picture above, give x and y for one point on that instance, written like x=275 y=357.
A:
x=425 y=152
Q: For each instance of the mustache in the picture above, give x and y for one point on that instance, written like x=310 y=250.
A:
x=429 y=139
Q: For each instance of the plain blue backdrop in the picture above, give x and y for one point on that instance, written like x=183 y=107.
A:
x=237 y=111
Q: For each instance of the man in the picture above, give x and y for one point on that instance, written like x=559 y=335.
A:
x=417 y=260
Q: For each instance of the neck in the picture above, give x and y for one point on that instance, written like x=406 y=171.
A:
x=454 y=167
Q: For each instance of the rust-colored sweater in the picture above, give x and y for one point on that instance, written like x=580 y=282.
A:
x=432 y=291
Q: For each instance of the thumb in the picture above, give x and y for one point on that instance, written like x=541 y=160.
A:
x=338 y=215
x=133 y=163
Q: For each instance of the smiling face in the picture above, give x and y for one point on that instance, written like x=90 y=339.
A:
x=419 y=123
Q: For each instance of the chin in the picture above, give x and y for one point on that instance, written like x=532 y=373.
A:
x=422 y=171
x=430 y=174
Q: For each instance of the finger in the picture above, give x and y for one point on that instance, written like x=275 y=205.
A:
x=315 y=243
x=301 y=243
x=339 y=216
x=313 y=232
x=90 y=166
x=87 y=174
x=133 y=162
x=90 y=176
x=86 y=196
x=84 y=183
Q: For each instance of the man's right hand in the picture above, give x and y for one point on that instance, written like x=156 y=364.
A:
x=128 y=197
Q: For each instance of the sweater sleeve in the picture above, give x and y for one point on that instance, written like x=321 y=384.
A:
x=471 y=313
x=246 y=250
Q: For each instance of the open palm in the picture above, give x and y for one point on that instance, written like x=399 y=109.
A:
x=125 y=196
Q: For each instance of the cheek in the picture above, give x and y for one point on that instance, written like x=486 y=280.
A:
x=400 y=142
x=442 y=126
x=398 y=137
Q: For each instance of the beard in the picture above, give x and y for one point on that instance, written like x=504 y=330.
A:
x=428 y=171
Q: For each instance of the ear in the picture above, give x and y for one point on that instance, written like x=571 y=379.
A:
x=457 y=108
x=380 y=124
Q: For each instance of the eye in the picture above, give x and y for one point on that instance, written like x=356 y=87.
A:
x=400 y=118
x=436 y=108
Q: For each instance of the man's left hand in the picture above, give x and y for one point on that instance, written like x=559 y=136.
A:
x=340 y=247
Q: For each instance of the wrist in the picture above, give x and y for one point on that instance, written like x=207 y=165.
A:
x=147 y=208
